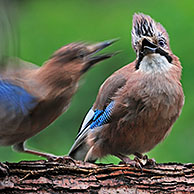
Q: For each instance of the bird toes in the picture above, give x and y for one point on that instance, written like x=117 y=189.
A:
x=138 y=163
x=61 y=159
x=134 y=163
x=151 y=162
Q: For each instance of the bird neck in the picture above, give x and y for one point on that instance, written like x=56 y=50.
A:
x=154 y=64
x=56 y=79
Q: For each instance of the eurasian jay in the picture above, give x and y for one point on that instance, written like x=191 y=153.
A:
x=137 y=105
x=32 y=97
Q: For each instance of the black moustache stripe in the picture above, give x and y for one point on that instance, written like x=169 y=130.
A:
x=165 y=54
x=158 y=50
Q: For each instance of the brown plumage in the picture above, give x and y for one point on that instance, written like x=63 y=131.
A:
x=142 y=100
x=32 y=97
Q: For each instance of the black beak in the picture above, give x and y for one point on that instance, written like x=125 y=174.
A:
x=94 y=48
x=148 y=48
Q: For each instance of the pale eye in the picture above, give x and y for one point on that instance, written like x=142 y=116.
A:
x=161 y=43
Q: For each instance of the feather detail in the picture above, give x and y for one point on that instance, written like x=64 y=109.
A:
x=92 y=121
x=102 y=117
x=16 y=98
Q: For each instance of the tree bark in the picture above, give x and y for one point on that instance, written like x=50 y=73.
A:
x=78 y=177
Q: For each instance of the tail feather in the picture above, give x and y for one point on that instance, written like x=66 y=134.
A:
x=81 y=153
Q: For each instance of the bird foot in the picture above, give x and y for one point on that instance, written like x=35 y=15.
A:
x=4 y=169
x=61 y=159
x=149 y=162
x=134 y=163
x=145 y=160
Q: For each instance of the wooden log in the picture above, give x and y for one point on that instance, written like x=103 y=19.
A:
x=78 y=177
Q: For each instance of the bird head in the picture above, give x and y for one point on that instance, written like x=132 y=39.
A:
x=79 y=57
x=149 y=38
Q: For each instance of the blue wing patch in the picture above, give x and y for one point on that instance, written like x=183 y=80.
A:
x=102 y=117
x=93 y=119
x=15 y=98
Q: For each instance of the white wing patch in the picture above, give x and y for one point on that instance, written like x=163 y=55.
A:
x=88 y=117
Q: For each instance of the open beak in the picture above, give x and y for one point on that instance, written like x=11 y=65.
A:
x=95 y=48
x=149 y=48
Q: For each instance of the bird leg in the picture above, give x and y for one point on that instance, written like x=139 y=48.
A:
x=21 y=148
x=50 y=157
x=149 y=162
x=135 y=163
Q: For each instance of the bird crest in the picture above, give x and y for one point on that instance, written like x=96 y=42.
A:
x=145 y=26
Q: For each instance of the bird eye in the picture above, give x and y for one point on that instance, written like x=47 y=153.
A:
x=81 y=54
x=161 y=43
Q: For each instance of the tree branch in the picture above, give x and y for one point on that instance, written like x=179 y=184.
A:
x=78 y=177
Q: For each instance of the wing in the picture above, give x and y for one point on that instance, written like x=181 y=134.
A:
x=15 y=68
x=100 y=113
x=97 y=120
x=15 y=104
x=19 y=63
x=104 y=97
x=109 y=89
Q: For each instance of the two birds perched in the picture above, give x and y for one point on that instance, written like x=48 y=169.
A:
x=134 y=109
x=137 y=105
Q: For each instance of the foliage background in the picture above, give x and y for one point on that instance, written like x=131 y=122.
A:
x=46 y=25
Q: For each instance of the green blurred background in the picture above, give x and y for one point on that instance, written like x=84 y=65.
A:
x=47 y=25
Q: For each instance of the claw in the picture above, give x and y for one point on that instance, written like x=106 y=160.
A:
x=148 y=162
x=61 y=159
x=151 y=162
x=139 y=164
x=134 y=163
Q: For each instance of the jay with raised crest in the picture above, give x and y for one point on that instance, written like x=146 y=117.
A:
x=32 y=97
x=137 y=105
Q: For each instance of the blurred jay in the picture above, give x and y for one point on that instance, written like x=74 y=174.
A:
x=138 y=104
x=32 y=97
